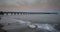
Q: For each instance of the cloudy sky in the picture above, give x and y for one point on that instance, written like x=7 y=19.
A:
x=29 y=4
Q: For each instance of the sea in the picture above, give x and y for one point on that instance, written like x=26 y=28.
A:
x=20 y=23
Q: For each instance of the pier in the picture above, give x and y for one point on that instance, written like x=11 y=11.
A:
x=22 y=13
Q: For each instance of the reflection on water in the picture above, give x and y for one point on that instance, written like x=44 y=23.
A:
x=38 y=18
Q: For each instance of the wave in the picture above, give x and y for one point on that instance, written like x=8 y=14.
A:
x=39 y=26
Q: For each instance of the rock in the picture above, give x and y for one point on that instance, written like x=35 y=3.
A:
x=1 y=26
x=57 y=27
x=2 y=30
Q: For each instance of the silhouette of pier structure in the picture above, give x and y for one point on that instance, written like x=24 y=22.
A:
x=22 y=13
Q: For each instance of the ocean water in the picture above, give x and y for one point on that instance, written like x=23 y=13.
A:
x=38 y=18
x=19 y=23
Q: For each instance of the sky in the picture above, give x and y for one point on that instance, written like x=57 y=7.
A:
x=29 y=4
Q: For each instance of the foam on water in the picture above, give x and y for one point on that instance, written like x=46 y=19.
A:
x=39 y=26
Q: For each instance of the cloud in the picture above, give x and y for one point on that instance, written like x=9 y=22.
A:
x=14 y=2
x=29 y=4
